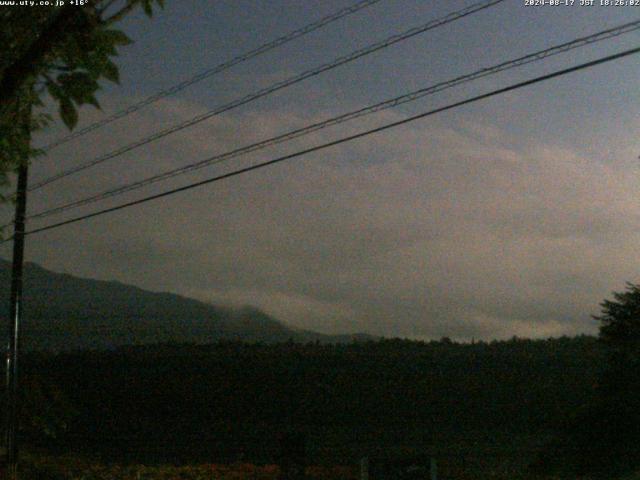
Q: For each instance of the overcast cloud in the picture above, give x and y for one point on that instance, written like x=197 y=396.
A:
x=460 y=226
x=421 y=232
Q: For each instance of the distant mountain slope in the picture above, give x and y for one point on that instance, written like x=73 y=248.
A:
x=67 y=312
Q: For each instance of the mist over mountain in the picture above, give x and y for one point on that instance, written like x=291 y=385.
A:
x=63 y=312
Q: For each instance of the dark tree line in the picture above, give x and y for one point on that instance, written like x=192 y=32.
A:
x=212 y=402
x=603 y=437
x=573 y=402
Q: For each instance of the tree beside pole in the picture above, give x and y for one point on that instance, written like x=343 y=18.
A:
x=12 y=403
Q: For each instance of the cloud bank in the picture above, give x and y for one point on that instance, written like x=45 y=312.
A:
x=423 y=231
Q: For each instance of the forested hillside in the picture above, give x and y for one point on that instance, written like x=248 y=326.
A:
x=64 y=312
x=221 y=402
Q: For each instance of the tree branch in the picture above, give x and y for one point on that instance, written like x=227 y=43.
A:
x=27 y=65
x=122 y=12
x=104 y=8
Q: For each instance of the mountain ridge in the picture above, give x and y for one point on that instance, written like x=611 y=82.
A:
x=65 y=312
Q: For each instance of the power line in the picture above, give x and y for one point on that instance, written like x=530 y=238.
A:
x=341 y=140
x=273 y=88
x=406 y=98
x=215 y=70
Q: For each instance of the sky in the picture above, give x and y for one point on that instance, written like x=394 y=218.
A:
x=516 y=215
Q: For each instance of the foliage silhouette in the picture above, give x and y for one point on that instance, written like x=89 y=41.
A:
x=60 y=51
x=602 y=438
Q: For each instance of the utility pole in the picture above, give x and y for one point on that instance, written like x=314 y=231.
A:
x=12 y=406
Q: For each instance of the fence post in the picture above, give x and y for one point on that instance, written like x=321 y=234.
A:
x=434 y=469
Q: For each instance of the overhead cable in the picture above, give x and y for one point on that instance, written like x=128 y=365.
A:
x=394 y=102
x=339 y=141
x=271 y=89
x=215 y=70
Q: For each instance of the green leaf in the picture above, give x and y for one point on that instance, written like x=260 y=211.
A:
x=54 y=90
x=115 y=37
x=110 y=71
x=146 y=6
x=92 y=100
x=39 y=121
x=80 y=86
x=68 y=113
